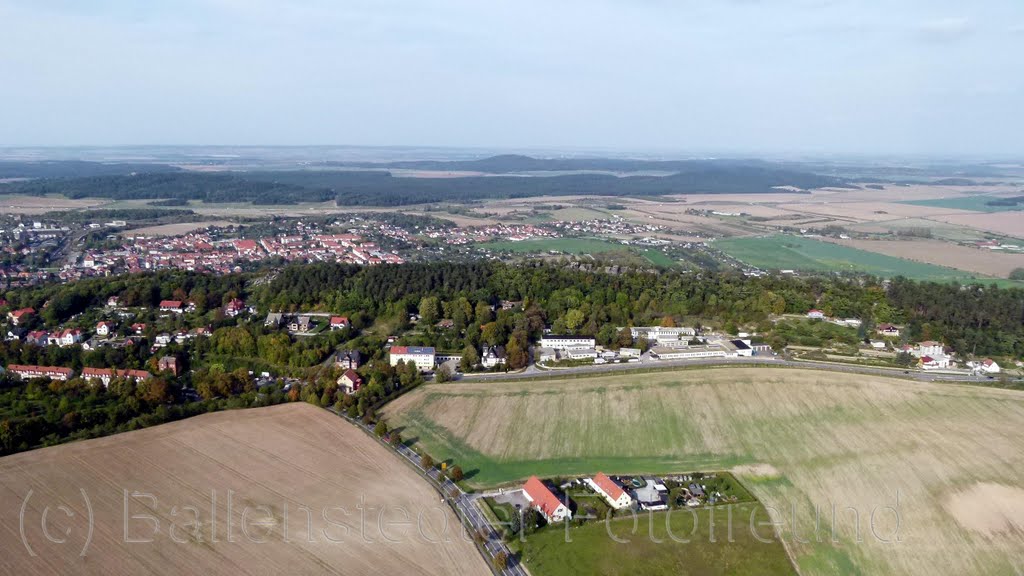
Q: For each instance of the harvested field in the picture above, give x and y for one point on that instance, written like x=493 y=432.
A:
x=1008 y=223
x=250 y=476
x=870 y=447
x=981 y=261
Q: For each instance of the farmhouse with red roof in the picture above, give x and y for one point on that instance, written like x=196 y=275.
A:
x=544 y=500
x=617 y=497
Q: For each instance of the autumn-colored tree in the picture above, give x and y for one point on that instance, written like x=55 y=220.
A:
x=426 y=461
x=667 y=322
x=455 y=473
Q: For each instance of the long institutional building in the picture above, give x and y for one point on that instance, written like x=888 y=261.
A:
x=423 y=357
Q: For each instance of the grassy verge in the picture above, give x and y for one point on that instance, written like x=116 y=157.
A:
x=680 y=542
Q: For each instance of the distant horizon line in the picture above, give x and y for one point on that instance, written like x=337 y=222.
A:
x=577 y=151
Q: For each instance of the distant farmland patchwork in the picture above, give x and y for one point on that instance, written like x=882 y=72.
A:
x=575 y=246
x=798 y=439
x=781 y=252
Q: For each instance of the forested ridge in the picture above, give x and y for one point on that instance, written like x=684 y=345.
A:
x=377 y=188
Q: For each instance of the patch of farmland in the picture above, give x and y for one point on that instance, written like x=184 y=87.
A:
x=977 y=260
x=289 y=489
x=1007 y=223
x=973 y=203
x=782 y=252
x=923 y=478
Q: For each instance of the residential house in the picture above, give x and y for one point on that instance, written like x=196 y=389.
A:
x=234 y=307
x=348 y=359
x=113 y=302
x=105 y=375
x=339 y=322
x=986 y=366
x=616 y=497
x=138 y=328
x=176 y=306
x=169 y=364
x=491 y=356
x=888 y=330
x=816 y=315
x=15 y=333
x=350 y=382
x=20 y=315
x=939 y=362
x=421 y=356
x=27 y=372
x=274 y=320
x=544 y=500
x=162 y=340
x=104 y=328
x=38 y=337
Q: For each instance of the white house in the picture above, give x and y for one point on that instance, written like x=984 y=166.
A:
x=816 y=315
x=567 y=342
x=350 y=382
x=888 y=330
x=421 y=356
x=545 y=501
x=616 y=497
x=986 y=366
x=492 y=356
x=104 y=328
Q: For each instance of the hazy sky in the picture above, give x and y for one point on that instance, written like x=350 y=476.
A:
x=746 y=76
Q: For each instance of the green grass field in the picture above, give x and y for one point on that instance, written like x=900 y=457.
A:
x=567 y=245
x=783 y=252
x=799 y=440
x=663 y=543
x=976 y=203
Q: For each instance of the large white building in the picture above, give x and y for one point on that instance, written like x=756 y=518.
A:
x=662 y=334
x=690 y=352
x=567 y=342
x=421 y=356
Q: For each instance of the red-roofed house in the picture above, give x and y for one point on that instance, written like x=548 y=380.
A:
x=544 y=500
x=816 y=314
x=234 y=307
x=612 y=492
x=246 y=246
x=104 y=328
x=338 y=322
x=20 y=315
x=105 y=375
x=29 y=372
x=350 y=382
x=172 y=306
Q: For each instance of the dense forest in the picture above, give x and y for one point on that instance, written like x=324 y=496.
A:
x=176 y=185
x=380 y=188
x=76 y=169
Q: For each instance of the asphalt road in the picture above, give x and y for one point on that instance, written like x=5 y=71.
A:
x=533 y=372
x=464 y=504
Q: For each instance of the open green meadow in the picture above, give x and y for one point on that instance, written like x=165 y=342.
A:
x=975 y=203
x=662 y=543
x=938 y=467
x=782 y=252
